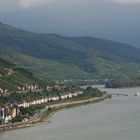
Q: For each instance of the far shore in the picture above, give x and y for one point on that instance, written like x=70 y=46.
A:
x=54 y=107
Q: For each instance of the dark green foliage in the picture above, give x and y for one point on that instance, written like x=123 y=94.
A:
x=94 y=92
x=4 y=63
x=119 y=50
x=31 y=110
x=123 y=83
x=18 y=118
x=24 y=72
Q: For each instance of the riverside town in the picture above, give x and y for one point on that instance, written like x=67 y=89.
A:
x=22 y=105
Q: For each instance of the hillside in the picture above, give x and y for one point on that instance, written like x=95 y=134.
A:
x=56 y=57
x=11 y=76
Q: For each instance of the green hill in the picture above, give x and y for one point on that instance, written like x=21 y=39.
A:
x=56 y=57
x=11 y=76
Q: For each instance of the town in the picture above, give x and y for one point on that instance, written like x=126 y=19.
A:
x=9 y=111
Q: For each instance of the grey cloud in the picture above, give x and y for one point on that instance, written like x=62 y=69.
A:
x=25 y=4
x=102 y=18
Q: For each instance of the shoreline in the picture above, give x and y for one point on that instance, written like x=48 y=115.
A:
x=46 y=115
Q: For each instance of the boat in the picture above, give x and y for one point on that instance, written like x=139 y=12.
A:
x=137 y=94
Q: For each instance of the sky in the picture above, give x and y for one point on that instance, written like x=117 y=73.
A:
x=118 y=20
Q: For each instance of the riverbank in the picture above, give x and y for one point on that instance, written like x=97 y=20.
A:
x=45 y=114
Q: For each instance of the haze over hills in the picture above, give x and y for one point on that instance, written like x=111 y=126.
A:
x=56 y=57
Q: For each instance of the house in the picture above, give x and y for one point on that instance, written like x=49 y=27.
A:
x=7 y=113
x=75 y=94
x=30 y=87
x=3 y=90
x=46 y=100
x=64 y=96
x=24 y=104
x=13 y=111
x=49 y=87
x=80 y=92
x=70 y=95
x=55 y=98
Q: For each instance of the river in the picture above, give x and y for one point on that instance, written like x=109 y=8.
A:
x=113 y=119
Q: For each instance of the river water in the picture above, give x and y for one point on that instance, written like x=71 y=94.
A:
x=113 y=119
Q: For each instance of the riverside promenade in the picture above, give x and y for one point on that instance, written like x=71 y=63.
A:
x=90 y=100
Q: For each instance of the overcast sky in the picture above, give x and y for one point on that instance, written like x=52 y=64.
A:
x=112 y=19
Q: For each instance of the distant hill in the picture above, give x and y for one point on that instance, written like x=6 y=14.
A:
x=11 y=76
x=56 y=57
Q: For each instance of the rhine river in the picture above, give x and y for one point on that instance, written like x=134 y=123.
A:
x=113 y=119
